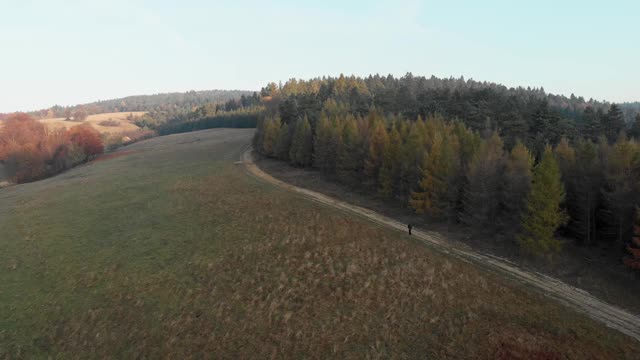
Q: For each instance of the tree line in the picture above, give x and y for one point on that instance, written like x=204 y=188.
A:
x=162 y=106
x=529 y=115
x=201 y=119
x=577 y=175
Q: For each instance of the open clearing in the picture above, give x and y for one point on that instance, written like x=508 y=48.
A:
x=172 y=251
x=95 y=120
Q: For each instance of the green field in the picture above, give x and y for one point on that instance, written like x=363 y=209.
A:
x=170 y=250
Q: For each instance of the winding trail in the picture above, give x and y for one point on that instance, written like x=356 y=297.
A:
x=577 y=299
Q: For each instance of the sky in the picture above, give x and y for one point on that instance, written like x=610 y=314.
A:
x=70 y=52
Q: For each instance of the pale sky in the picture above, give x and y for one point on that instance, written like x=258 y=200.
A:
x=70 y=52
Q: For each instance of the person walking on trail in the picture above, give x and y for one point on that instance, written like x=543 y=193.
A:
x=410 y=227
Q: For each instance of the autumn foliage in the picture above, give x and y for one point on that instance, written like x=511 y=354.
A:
x=86 y=138
x=29 y=150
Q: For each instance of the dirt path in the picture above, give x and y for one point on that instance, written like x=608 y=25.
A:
x=575 y=298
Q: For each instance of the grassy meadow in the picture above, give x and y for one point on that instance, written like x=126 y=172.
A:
x=119 y=122
x=170 y=250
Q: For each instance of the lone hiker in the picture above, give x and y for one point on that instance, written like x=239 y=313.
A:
x=410 y=227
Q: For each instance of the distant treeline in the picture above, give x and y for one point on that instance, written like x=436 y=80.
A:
x=167 y=104
x=241 y=118
x=516 y=162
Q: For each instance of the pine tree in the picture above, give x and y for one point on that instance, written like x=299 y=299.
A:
x=517 y=184
x=543 y=214
x=301 y=144
x=390 y=170
x=483 y=186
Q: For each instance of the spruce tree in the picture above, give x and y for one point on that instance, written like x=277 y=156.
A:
x=543 y=214
x=591 y=124
x=613 y=123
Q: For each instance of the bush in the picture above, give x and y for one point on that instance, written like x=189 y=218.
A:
x=114 y=141
x=30 y=151
x=25 y=164
x=110 y=122
x=88 y=139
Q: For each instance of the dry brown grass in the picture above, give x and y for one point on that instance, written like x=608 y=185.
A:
x=319 y=284
x=95 y=120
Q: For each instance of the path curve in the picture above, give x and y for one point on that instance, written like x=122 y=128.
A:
x=577 y=299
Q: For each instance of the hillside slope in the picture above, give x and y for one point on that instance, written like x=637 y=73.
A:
x=169 y=250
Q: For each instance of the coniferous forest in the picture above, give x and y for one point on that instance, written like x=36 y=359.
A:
x=512 y=161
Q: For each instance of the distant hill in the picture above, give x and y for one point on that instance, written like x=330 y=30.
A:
x=164 y=102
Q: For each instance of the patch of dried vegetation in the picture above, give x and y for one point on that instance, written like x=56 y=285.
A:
x=300 y=281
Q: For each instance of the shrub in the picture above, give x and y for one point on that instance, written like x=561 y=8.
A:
x=109 y=122
x=88 y=139
x=129 y=137
x=28 y=148
x=114 y=141
x=20 y=130
x=25 y=163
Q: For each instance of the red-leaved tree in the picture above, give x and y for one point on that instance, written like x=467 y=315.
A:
x=19 y=131
x=22 y=140
x=88 y=139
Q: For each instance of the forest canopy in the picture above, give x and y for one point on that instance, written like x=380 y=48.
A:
x=512 y=161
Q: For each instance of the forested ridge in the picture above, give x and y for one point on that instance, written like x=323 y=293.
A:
x=165 y=105
x=516 y=162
